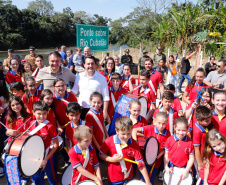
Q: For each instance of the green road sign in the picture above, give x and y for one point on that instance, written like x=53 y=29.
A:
x=96 y=37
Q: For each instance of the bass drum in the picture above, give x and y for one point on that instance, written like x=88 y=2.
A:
x=87 y=182
x=135 y=182
x=67 y=175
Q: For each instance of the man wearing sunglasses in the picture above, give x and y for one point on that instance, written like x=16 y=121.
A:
x=216 y=80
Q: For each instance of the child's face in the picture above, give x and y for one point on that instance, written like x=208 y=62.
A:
x=78 y=52
x=160 y=123
x=135 y=110
x=167 y=103
x=124 y=136
x=181 y=130
x=144 y=81
x=39 y=62
x=96 y=103
x=115 y=83
x=74 y=116
x=84 y=143
x=48 y=99
x=126 y=70
x=19 y=93
x=60 y=88
x=219 y=102
x=14 y=65
x=40 y=115
x=205 y=122
x=16 y=106
x=206 y=97
x=218 y=145
x=27 y=68
x=199 y=77
x=31 y=86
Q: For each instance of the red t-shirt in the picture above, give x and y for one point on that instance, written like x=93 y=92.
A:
x=32 y=99
x=131 y=151
x=141 y=122
x=177 y=105
x=116 y=95
x=60 y=106
x=179 y=150
x=217 y=168
x=77 y=159
x=12 y=77
x=107 y=77
x=220 y=125
x=125 y=82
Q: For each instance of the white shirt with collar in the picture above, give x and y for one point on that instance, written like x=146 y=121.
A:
x=87 y=85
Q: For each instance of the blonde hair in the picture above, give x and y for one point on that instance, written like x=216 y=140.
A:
x=134 y=101
x=82 y=132
x=123 y=124
x=161 y=114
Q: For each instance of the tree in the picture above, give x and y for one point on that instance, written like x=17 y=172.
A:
x=42 y=7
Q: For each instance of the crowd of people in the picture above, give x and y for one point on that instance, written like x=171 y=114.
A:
x=78 y=94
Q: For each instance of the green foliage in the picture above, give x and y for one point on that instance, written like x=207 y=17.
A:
x=42 y=7
x=200 y=36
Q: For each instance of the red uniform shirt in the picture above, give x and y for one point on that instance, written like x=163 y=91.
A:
x=69 y=132
x=192 y=93
x=217 y=168
x=32 y=99
x=156 y=79
x=147 y=93
x=107 y=77
x=177 y=105
x=91 y=122
x=125 y=82
x=175 y=116
x=179 y=150
x=12 y=77
x=151 y=130
x=61 y=104
x=141 y=122
x=77 y=159
x=51 y=117
x=220 y=125
x=116 y=95
x=131 y=151
x=48 y=132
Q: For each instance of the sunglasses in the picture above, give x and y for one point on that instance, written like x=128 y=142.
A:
x=218 y=66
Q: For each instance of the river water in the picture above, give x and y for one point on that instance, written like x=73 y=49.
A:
x=45 y=52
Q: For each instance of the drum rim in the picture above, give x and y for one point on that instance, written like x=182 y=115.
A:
x=10 y=143
x=20 y=153
x=65 y=170
x=85 y=181
x=145 y=146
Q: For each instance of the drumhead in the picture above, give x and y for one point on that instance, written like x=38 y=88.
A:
x=67 y=175
x=176 y=177
x=87 y=182
x=135 y=182
x=31 y=155
x=144 y=106
x=151 y=150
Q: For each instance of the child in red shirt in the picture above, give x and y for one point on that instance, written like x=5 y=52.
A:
x=167 y=101
x=49 y=135
x=195 y=85
x=32 y=94
x=83 y=157
x=17 y=89
x=135 y=109
x=201 y=127
x=95 y=120
x=120 y=146
x=115 y=92
x=126 y=77
x=159 y=131
x=73 y=111
x=179 y=150
x=14 y=75
x=144 y=90
x=214 y=170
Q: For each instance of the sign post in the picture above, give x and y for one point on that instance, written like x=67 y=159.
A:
x=95 y=37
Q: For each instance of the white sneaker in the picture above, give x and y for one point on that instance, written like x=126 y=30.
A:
x=23 y=182
x=160 y=176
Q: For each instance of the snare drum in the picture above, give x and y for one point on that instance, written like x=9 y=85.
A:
x=151 y=150
x=135 y=182
x=30 y=150
x=87 y=182
x=176 y=177
x=67 y=175
x=61 y=144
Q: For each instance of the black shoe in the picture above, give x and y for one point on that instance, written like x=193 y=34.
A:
x=180 y=91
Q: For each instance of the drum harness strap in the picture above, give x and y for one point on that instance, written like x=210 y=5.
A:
x=126 y=82
x=99 y=124
x=122 y=162
x=152 y=87
x=84 y=165
x=113 y=99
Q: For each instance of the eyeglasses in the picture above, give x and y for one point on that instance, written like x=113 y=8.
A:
x=219 y=66
x=60 y=86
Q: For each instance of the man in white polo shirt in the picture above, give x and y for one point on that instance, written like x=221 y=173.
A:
x=89 y=81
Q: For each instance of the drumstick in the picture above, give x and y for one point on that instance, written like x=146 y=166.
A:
x=125 y=159
x=170 y=176
x=150 y=174
x=135 y=88
x=3 y=125
x=179 y=180
x=18 y=128
x=65 y=125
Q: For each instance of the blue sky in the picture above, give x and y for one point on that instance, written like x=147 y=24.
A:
x=113 y=9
